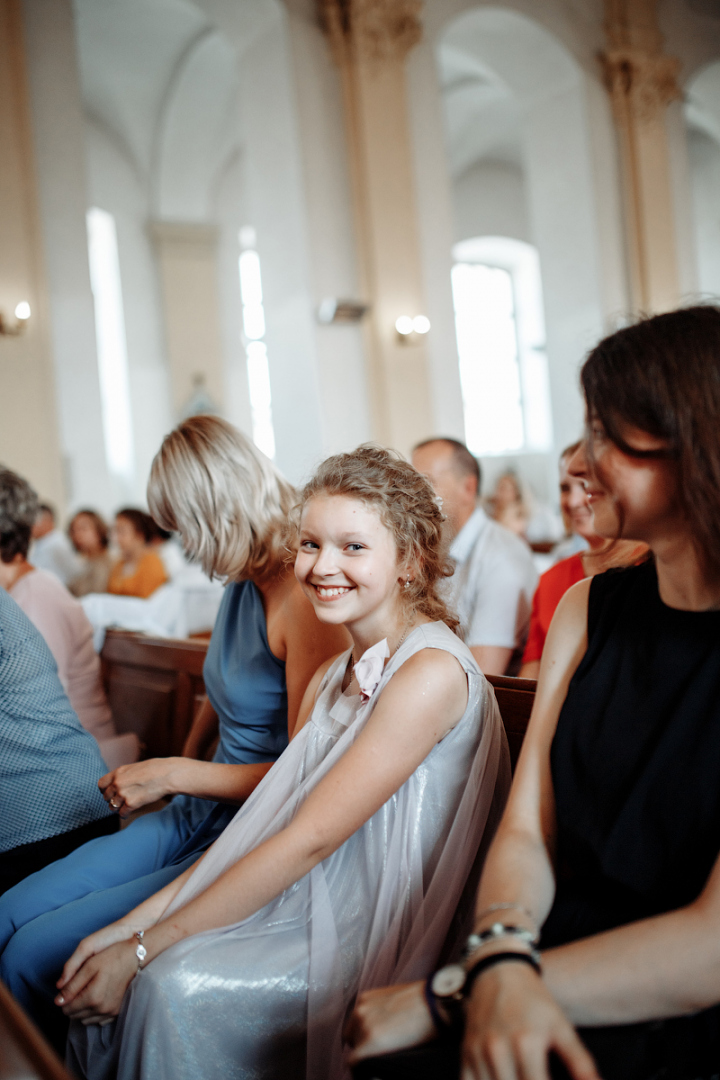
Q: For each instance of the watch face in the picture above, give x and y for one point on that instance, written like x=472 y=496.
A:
x=448 y=981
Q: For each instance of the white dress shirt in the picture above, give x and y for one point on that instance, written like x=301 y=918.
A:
x=492 y=588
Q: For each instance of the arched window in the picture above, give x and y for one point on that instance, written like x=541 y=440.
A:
x=497 y=294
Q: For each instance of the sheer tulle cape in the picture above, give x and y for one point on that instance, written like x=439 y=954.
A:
x=268 y=997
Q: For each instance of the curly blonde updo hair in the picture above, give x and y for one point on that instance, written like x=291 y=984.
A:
x=227 y=501
x=407 y=506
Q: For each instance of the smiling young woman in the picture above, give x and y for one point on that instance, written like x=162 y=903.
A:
x=346 y=865
x=610 y=844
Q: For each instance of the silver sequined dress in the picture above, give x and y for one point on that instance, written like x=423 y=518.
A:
x=266 y=999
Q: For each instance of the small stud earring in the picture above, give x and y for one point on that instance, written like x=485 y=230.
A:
x=407 y=583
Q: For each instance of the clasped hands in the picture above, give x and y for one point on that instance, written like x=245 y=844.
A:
x=95 y=978
x=512 y=1024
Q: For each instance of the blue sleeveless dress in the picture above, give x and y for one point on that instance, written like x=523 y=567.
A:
x=44 y=917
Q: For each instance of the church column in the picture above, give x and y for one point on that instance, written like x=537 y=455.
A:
x=29 y=441
x=370 y=40
x=187 y=260
x=642 y=82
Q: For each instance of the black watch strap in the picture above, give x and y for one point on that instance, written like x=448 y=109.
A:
x=491 y=961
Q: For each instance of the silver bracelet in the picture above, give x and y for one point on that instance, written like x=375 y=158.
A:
x=141 y=951
x=505 y=906
x=500 y=930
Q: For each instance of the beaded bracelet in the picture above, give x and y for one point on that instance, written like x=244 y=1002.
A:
x=500 y=930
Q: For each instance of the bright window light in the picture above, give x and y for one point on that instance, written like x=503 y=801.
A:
x=500 y=327
x=111 y=345
x=254 y=321
x=258 y=370
x=260 y=398
x=489 y=370
x=250 y=280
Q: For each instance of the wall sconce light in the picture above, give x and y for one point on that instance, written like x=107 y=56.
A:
x=22 y=314
x=332 y=310
x=410 y=329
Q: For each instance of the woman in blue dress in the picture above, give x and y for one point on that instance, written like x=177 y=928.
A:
x=230 y=506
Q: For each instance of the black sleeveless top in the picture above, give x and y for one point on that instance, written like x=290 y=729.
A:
x=636 y=770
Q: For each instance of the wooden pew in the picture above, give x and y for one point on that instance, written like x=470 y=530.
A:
x=24 y=1053
x=515 y=699
x=154 y=686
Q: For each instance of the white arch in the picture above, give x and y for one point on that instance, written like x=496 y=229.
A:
x=565 y=151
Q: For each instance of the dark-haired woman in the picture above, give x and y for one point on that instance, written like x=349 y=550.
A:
x=139 y=571
x=90 y=537
x=609 y=846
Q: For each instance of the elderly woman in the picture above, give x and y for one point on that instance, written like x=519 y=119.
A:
x=90 y=537
x=230 y=505
x=61 y=621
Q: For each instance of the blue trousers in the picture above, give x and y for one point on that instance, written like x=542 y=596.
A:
x=44 y=917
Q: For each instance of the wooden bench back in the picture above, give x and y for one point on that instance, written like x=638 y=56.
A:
x=153 y=686
x=515 y=700
x=24 y=1053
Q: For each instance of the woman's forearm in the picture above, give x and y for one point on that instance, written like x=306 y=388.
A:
x=243 y=889
x=665 y=966
x=212 y=780
x=151 y=910
x=517 y=871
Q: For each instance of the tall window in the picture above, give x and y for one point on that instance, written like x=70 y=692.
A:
x=111 y=345
x=500 y=327
x=255 y=348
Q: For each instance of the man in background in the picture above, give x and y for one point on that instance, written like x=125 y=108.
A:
x=51 y=550
x=492 y=588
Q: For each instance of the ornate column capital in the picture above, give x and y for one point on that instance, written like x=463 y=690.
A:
x=639 y=75
x=374 y=30
x=644 y=83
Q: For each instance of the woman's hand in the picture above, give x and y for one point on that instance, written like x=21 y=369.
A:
x=131 y=786
x=391 y=1018
x=513 y=1023
x=95 y=993
x=95 y=943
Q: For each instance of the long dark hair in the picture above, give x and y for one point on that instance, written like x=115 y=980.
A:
x=662 y=375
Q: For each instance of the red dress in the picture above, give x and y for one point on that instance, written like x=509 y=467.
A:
x=553 y=585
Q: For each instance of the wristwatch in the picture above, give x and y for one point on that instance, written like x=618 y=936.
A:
x=446 y=990
x=444 y=995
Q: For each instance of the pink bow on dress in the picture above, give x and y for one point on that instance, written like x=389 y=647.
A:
x=369 y=668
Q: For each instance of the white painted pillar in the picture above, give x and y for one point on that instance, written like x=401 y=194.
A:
x=29 y=441
x=370 y=42
x=59 y=147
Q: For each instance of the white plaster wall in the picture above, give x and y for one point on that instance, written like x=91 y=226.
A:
x=114 y=185
x=434 y=201
x=276 y=207
x=705 y=168
x=57 y=120
x=229 y=210
x=490 y=200
x=568 y=163
x=332 y=254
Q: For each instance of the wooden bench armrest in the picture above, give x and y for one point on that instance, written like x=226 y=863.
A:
x=24 y=1052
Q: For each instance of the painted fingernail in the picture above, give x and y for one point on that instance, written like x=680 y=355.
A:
x=60 y=999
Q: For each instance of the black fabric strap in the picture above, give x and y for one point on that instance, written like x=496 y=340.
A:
x=490 y=961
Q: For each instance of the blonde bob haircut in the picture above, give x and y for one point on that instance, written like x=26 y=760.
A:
x=227 y=501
